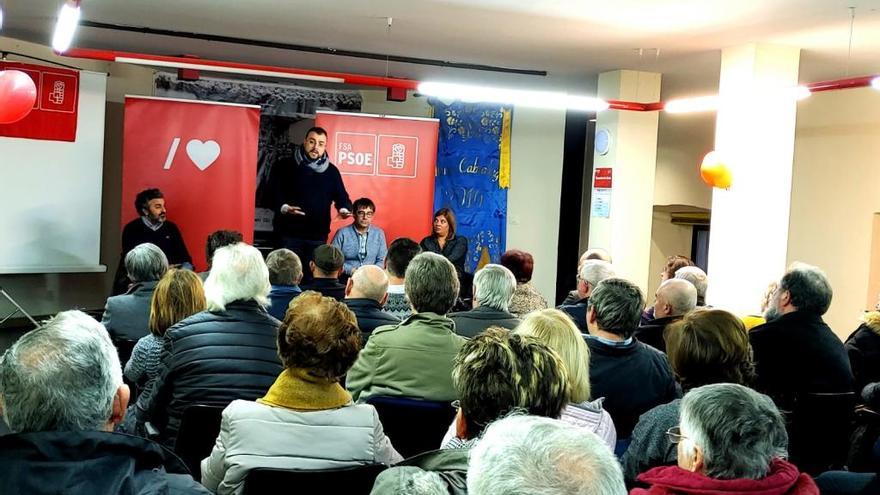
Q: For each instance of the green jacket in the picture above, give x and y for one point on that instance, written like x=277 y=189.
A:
x=410 y=359
x=450 y=464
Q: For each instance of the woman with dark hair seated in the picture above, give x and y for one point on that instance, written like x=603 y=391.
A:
x=706 y=346
x=306 y=420
x=730 y=439
x=443 y=240
x=526 y=297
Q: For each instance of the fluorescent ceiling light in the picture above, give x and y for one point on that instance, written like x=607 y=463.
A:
x=65 y=28
x=800 y=93
x=691 y=105
x=1 y=17
x=517 y=97
x=230 y=70
x=875 y=83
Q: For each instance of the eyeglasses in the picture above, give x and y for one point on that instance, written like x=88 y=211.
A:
x=456 y=404
x=365 y=213
x=674 y=434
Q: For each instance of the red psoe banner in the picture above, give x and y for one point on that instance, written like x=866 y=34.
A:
x=54 y=115
x=390 y=160
x=202 y=155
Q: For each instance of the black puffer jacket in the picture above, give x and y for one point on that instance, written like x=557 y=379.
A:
x=213 y=358
x=863 y=349
x=90 y=462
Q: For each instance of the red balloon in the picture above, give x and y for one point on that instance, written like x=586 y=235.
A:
x=18 y=93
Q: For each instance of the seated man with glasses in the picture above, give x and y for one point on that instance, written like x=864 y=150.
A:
x=362 y=243
x=731 y=439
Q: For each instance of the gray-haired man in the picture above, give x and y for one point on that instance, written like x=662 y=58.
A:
x=62 y=394
x=632 y=376
x=493 y=290
x=126 y=316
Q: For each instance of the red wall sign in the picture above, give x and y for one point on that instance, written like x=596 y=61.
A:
x=203 y=156
x=389 y=160
x=55 y=111
x=602 y=178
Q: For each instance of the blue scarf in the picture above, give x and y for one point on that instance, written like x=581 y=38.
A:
x=319 y=165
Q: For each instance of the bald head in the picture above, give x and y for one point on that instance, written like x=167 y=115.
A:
x=675 y=297
x=594 y=254
x=368 y=282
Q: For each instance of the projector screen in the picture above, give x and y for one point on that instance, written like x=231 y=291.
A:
x=51 y=190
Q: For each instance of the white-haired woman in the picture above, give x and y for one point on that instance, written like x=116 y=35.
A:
x=731 y=439
x=224 y=353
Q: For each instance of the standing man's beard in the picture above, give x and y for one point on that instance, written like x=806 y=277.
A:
x=772 y=313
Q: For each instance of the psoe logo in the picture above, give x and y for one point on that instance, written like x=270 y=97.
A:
x=398 y=156
x=355 y=153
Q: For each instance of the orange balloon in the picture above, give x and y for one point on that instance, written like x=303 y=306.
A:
x=715 y=172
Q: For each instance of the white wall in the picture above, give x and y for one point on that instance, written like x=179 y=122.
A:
x=835 y=196
x=44 y=294
x=537 y=139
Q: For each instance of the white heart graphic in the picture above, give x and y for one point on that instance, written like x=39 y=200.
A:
x=203 y=154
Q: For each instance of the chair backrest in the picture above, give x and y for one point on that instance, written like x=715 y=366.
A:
x=350 y=481
x=414 y=426
x=198 y=432
x=819 y=428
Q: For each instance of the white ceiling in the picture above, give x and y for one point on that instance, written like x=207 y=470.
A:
x=572 y=40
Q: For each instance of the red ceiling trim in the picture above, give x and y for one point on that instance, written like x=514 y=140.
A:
x=401 y=84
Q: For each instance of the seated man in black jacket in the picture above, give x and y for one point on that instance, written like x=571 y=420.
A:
x=494 y=286
x=326 y=266
x=796 y=351
x=674 y=299
x=365 y=294
x=225 y=353
x=633 y=377
x=62 y=394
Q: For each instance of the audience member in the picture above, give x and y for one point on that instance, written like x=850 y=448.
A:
x=306 y=420
x=673 y=299
x=177 y=296
x=752 y=321
x=493 y=290
x=215 y=241
x=365 y=293
x=225 y=353
x=152 y=227
x=731 y=440
x=361 y=242
x=698 y=278
x=863 y=348
x=526 y=297
x=590 y=273
x=62 y=394
x=443 y=240
x=400 y=253
x=673 y=264
x=589 y=254
x=325 y=266
x=285 y=274
x=495 y=373
x=632 y=376
x=706 y=346
x=795 y=351
x=555 y=329
x=126 y=316
x=414 y=358
x=525 y=455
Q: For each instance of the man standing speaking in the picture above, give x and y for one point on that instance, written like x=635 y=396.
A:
x=303 y=189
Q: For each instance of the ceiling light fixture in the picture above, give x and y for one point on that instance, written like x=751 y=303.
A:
x=875 y=83
x=1 y=17
x=692 y=105
x=518 y=97
x=65 y=28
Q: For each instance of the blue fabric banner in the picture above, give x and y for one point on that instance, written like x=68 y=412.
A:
x=468 y=154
